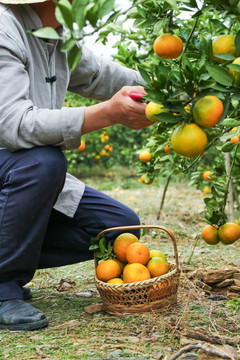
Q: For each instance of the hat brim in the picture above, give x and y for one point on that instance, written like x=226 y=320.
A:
x=19 y=2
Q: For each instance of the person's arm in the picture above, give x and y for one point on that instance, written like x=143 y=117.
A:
x=120 y=109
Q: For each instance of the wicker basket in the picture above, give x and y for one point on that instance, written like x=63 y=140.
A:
x=155 y=294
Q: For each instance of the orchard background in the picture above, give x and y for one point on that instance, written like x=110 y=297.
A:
x=181 y=195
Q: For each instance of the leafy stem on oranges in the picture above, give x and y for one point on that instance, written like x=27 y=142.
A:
x=102 y=249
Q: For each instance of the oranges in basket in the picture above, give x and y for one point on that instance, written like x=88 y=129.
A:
x=133 y=261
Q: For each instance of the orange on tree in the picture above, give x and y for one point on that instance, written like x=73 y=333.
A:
x=210 y=235
x=157 y=266
x=108 y=269
x=82 y=146
x=235 y=74
x=144 y=182
x=189 y=140
x=228 y=233
x=207 y=111
x=153 y=109
x=135 y=272
x=115 y=281
x=168 y=46
x=223 y=44
x=157 y=253
x=137 y=253
x=207 y=190
x=145 y=156
x=235 y=139
x=166 y=149
x=206 y=175
x=121 y=244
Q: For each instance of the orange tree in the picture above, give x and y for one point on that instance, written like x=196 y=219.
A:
x=198 y=89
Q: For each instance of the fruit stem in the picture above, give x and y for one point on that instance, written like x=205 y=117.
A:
x=190 y=36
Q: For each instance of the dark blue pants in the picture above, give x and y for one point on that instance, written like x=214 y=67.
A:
x=32 y=234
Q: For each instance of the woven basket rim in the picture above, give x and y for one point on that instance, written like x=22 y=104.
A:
x=175 y=271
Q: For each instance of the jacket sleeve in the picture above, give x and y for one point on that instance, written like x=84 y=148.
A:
x=24 y=125
x=99 y=78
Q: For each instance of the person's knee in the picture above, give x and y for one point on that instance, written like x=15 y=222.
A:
x=51 y=166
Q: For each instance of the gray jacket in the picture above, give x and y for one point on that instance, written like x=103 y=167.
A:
x=31 y=112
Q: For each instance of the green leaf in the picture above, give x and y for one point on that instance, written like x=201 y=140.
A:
x=220 y=75
x=144 y=74
x=79 y=8
x=74 y=56
x=167 y=118
x=235 y=67
x=230 y=123
x=67 y=45
x=63 y=13
x=106 y=7
x=225 y=56
x=45 y=33
x=94 y=247
x=228 y=146
x=237 y=42
x=173 y=4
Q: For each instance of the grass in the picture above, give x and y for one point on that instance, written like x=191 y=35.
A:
x=75 y=334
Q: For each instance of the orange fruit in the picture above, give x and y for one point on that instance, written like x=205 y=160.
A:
x=189 y=140
x=166 y=149
x=146 y=183
x=168 y=46
x=158 y=290
x=107 y=147
x=157 y=253
x=121 y=244
x=235 y=139
x=157 y=266
x=137 y=253
x=153 y=109
x=224 y=44
x=210 y=235
x=82 y=146
x=235 y=74
x=135 y=272
x=108 y=269
x=115 y=281
x=207 y=190
x=229 y=233
x=206 y=175
x=145 y=156
x=207 y=111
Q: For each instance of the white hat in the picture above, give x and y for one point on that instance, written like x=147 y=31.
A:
x=18 y=2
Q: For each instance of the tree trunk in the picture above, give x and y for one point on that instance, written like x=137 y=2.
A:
x=230 y=203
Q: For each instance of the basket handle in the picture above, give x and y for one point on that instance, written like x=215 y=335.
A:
x=134 y=227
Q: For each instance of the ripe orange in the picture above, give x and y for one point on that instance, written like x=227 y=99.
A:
x=108 y=269
x=145 y=156
x=137 y=253
x=157 y=253
x=158 y=290
x=229 y=233
x=189 y=140
x=168 y=46
x=210 y=235
x=207 y=190
x=121 y=244
x=82 y=146
x=115 y=281
x=206 y=175
x=166 y=149
x=207 y=111
x=107 y=147
x=153 y=109
x=224 y=44
x=157 y=266
x=235 y=74
x=144 y=182
x=135 y=272
x=235 y=139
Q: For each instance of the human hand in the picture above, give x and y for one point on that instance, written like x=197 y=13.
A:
x=126 y=111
